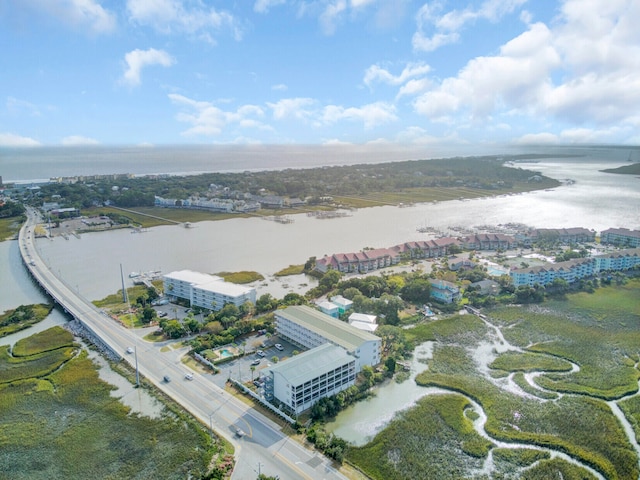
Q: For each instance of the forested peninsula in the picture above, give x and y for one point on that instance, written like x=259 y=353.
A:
x=356 y=185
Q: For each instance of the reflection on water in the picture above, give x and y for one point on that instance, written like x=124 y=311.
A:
x=361 y=422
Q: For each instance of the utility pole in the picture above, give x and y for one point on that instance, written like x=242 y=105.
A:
x=124 y=290
x=135 y=350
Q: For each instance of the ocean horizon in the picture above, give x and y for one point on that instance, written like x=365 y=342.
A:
x=39 y=164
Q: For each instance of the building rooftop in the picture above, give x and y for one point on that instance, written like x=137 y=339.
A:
x=335 y=331
x=312 y=363
x=622 y=231
x=194 y=278
x=362 y=317
x=224 y=288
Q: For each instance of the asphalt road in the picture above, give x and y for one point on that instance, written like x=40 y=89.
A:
x=263 y=448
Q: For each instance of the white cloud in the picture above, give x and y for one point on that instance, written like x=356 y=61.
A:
x=375 y=73
x=209 y=120
x=361 y=3
x=445 y=29
x=371 y=115
x=281 y=87
x=136 y=60
x=16 y=105
x=331 y=16
x=175 y=16
x=263 y=6
x=74 y=140
x=414 y=87
x=544 y=138
x=77 y=13
x=12 y=140
x=517 y=77
x=292 y=108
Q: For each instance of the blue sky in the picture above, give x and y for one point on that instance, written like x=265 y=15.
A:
x=140 y=72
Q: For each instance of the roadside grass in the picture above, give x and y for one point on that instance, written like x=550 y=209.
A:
x=66 y=425
x=580 y=426
x=290 y=270
x=114 y=301
x=155 y=336
x=9 y=227
x=240 y=277
x=11 y=322
x=418 y=443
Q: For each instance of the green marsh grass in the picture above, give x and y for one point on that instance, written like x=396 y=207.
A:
x=418 y=443
x=23 y=317
x=66 y=425
x=529 y=362
x=240 y=277
x=290 y=270
x=582 y=427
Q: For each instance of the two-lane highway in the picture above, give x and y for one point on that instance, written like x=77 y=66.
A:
x=264 y=448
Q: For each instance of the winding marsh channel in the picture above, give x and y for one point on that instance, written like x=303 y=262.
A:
x=558 y=381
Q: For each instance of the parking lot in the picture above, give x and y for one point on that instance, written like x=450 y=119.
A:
x=241 y=367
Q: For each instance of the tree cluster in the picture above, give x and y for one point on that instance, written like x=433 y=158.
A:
x=314 y=183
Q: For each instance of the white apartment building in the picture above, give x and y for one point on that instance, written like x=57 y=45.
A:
x=206 y=291
x=576 y=269
x=310 y=328
x=306 y=378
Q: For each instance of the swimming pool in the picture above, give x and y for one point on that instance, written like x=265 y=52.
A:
x=496 y=271
x=224 y=353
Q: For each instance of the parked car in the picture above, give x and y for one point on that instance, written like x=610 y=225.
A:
x=255 y=362
x=279 y=347
x=260 y=353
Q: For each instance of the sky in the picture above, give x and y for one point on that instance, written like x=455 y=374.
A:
x=319 y=72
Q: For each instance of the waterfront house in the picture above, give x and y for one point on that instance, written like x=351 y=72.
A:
x=443 y=291
x=342 y=303
x=329 y=308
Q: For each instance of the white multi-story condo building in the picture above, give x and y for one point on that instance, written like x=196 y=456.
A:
x=306 y=378
x=337 y=352
x=310 y=328
x=206 y=291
